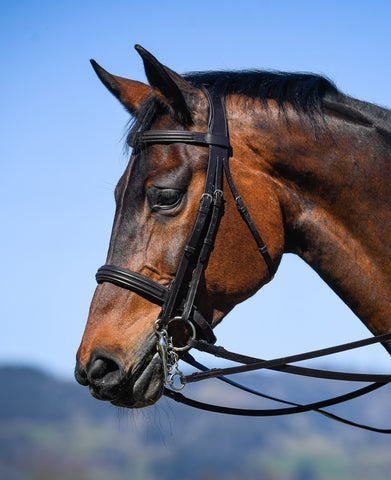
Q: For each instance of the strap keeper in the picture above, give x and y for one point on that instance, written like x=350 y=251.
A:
x=240 y=204
x=189 y=250
x=263 y=249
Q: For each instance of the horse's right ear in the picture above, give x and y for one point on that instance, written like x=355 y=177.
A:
x=129 y=92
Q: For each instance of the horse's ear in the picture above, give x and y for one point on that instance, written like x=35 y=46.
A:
x=173 y=89
x=129 y=92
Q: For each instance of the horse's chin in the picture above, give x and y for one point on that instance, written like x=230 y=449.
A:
x=146 y=389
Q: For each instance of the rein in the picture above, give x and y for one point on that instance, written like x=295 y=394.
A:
x=280 y=364
x=178 y=300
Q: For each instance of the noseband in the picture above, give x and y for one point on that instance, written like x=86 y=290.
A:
x=178 y=299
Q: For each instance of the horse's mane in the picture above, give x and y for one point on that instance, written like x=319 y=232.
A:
x=305 y=92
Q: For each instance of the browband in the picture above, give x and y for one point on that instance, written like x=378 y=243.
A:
x=178 y=136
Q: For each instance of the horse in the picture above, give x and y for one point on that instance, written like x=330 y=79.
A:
x=310 y=169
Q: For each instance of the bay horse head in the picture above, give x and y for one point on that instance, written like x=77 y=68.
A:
x=157 y=201
x=157 y=223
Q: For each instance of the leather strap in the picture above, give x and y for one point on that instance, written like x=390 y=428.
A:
x=142 y=285
x=150 y=290
x=249 y=222
x=232 y=411
x=252 y=364
x=178 y=397
x=201 y=240
x=178 y=136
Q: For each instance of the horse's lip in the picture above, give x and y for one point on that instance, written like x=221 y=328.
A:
x=147 y=384
x=151 y=376
x=145 y=355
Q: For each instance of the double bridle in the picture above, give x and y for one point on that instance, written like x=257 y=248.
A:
x=178 y=300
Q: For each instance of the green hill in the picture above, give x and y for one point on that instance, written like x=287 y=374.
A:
x=53 y=429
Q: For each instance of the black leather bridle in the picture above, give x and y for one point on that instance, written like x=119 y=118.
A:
x=178 y=300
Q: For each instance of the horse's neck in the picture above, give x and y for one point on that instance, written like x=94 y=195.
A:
x=336 y=196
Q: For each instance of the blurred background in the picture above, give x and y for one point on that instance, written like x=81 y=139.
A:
x=61 y=156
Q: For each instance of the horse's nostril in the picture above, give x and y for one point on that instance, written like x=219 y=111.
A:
x=105 y=374
x=105 y=370
x=102 y=368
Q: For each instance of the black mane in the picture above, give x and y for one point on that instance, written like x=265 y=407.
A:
x=303 y=91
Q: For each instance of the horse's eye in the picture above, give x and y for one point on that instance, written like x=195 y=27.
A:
x=163 y=198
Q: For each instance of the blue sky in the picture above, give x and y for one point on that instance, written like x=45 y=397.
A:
x=61 y=153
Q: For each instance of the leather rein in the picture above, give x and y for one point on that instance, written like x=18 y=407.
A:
x=178 y=300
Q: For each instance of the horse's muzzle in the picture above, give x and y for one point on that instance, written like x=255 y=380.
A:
x=108 y=379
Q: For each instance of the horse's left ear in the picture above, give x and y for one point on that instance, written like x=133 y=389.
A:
x=129 y=92
x=173 y=89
